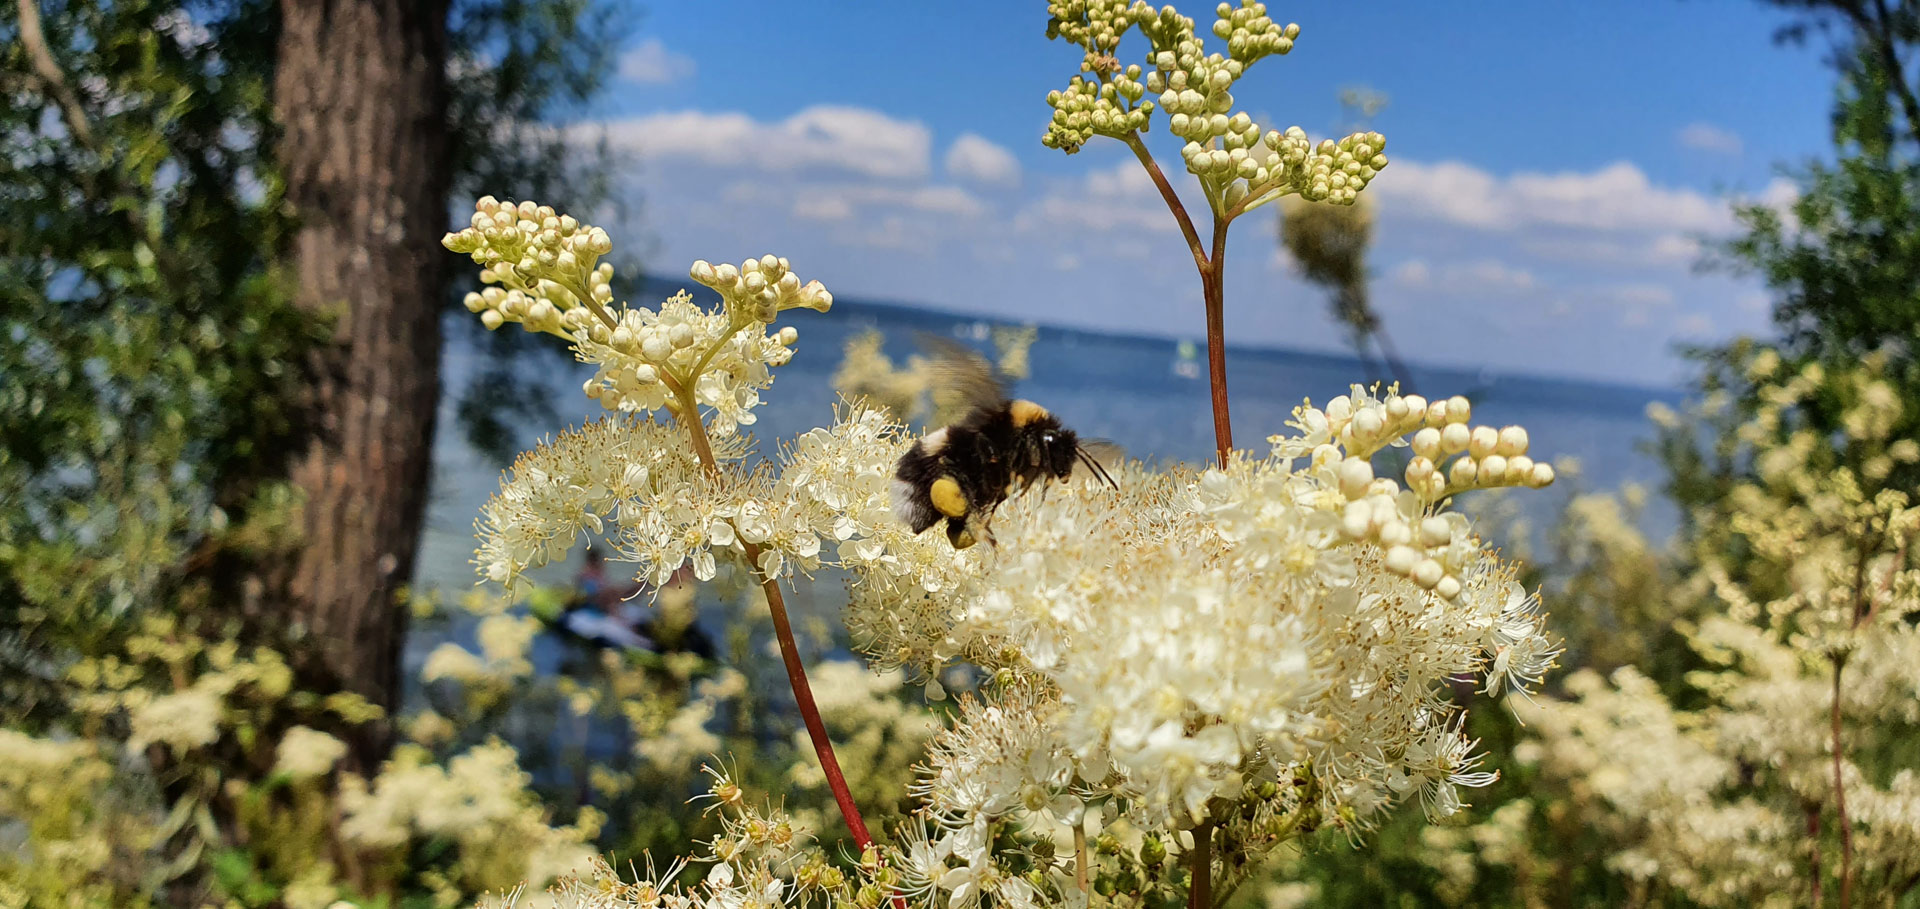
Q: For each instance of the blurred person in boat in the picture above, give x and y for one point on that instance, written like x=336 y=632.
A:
x=608 y=613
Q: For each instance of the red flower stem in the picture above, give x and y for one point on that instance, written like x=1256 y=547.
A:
x=689 y=416
x=809 y=711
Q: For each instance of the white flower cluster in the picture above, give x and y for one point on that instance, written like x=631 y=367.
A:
x=1190 y=636
x=479 y=801
x=1800 y=605
x=761 y=859
x=1428 y=548
x=305 y=752
x=1267 y=644
x=1226 y=149
x=547 y=276
x=640 y=474
x=541 y=265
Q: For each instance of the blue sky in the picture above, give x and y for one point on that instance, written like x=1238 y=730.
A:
x=1553 y=165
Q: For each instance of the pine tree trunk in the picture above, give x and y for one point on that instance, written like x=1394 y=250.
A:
x=361 y=94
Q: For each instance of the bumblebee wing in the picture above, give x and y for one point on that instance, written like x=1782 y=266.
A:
x=1097 y=457
x=964 y=380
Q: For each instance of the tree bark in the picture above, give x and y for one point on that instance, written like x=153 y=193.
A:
x=361 y=95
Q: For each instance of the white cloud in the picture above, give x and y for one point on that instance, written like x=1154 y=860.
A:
x=1120 y=197
x=1709 y=138
x=853 y=139
x=1637 y=295
x=1066 y=262
x=1694 y=325
x=977 y=160
x=1618 y=197
x=1490 y=275
x=822 y=208
x=1676 y=248
x=837 y=202
x=1480 y=276
x=1411 y=273
x=650 y=63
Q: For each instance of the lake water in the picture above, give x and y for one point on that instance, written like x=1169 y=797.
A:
x=1128 y=389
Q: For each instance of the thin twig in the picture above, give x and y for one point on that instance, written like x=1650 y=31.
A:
x=1896 y=69
x=1886 y=585
x=34 y=39
x=1840 y=795
x=1815 y=885
x=1080 y=858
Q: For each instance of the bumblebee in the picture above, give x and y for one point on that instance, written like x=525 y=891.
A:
x=961 y=472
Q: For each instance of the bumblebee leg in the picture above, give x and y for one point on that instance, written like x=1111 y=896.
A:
x=959 y=534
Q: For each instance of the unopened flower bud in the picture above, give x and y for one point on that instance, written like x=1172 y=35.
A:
x=1482 y=441
x=1401 y=559
x=1426 y=444
x=1513 y=441
x=1455 y=437
x=1367 y=424
x=1428 y=573
x=1542 y=475
x=1519 y=470
x=1418 y=470
x=655 y=346
x=1459 y=409
x=1462 y=472
x=1355 y=475
x=1357 y=521
x=1449 y=587
x=1493 y=469
x=1435 y=531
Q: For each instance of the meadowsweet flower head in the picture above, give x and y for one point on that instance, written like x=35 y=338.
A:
x=1225 y=148
x=305 y=752
x=543 y=271
x=1276 y=635
x=1197 y=630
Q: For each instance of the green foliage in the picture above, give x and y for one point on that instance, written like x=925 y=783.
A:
x=154 y=371
x=152 y=357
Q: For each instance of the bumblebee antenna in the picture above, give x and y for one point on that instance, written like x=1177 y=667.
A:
x=1093 y=464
